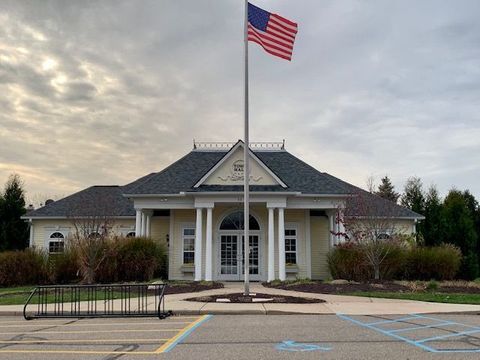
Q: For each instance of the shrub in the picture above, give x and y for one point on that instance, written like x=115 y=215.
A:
x=26 y=267
x=346 y=261
x=132 y=259
x=349 y=260
x=140 y=258
x=437 y=262
x=432 y=285
x=63 y=267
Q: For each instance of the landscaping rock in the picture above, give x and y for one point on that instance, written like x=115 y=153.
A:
x=339 y=282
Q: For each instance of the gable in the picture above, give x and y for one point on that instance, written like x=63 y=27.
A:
x=230 y=171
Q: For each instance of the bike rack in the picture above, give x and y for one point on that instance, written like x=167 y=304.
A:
x=109 y=300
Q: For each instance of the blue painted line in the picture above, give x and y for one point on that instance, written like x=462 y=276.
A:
x=448 y=336
x=423 y=327
x=186 y=334
x=410 y=317
x=420 y=343
x=384 y=332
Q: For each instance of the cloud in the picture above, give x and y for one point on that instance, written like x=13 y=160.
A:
x=103 y=92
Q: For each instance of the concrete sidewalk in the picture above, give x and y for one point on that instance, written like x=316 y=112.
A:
x=335 y=304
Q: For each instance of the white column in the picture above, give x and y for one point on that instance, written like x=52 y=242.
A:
x=171 y=241
x=31 y=234
x=331 y=222
x=148 y=218
x=308 y=244
x=282 y=275
x=142 y=227
x=208 y=247
x=341 y=228
x=198 y=246
x=271 y=244
x=138 y=223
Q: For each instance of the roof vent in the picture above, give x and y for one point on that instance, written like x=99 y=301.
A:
x=49 y=201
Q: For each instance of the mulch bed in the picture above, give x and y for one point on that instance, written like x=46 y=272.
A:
x=181 y=288
x=239 y=298
x=380 y=286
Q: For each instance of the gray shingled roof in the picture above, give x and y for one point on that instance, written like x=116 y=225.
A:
x=182 y=175
x=105 y=200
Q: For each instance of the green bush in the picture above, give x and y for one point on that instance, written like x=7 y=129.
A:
x=132 y=259
x=26 y=267
x=63 y=267
x=139 y=258
x=437 y=262
x=349 y=260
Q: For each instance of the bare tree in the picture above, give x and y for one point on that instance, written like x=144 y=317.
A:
x=370 y=221
x=92 y=220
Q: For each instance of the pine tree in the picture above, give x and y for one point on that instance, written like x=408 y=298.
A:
x=413 y=198
x=433 y=225
x=386 y=190
x=460 y=231
x=13 y=230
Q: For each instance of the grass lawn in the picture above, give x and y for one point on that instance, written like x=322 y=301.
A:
x=18 y=295
x=454 y=298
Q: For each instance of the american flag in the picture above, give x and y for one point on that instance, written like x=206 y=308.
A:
x=271 y=31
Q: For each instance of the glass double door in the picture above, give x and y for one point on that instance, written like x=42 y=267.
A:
x=232 y=257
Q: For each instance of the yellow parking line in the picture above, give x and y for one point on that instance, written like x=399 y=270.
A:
x=78 y=341
x=172 y=342
x=80 y=352
x=92 y=331
x=100 y=324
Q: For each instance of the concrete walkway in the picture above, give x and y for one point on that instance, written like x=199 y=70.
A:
x=335 y=304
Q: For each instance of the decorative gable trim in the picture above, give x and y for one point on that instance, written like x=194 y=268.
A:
x=239 y=144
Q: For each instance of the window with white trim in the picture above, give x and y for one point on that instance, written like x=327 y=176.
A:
x=188 y=240
x=291 y=246
x=56 y=243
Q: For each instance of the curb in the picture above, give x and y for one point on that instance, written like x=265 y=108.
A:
x=261 y=312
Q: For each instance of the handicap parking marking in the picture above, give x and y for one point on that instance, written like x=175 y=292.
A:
x=437 y=324
x=292 y=346
x=168 y=343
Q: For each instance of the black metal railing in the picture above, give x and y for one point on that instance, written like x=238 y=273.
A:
x=78 y=301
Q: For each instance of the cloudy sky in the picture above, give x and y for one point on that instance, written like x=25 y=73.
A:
x=103 y=92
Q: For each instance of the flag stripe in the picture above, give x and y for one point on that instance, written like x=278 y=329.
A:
x=270 y=47
x=271 y=51
x=279 y=22
x=287 y=44
x=280 y=34
x=262 y=38
x=286 y=21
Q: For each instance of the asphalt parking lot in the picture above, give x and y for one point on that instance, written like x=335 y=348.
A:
x=244 y=337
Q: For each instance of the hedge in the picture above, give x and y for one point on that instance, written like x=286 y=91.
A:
x=124 y=259
x=348 y=261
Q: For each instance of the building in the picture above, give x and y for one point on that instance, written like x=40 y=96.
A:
x=195 y=205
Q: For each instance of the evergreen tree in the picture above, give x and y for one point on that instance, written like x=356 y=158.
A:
x=413 y=198
x=433 y=225
x=386 y=190
x=460 y=231
x=13 y=230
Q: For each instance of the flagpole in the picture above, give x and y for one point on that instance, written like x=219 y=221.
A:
x=246 y=172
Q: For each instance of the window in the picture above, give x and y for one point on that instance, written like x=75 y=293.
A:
x=234 y=221
x=290 y=246
x=130 y=234
x=56 y=243
x=188 y=245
